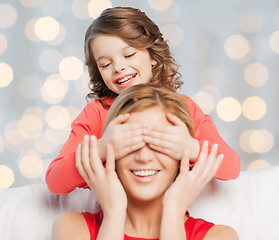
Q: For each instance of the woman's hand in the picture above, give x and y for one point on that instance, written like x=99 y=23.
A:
x=103 y=181
x=124 y=138
x=188 y=184
x=172 y=140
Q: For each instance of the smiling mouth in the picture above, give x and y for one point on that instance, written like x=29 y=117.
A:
x=144 y=173
x=125 y=79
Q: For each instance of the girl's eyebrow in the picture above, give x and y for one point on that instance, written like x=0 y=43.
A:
x=124 y=48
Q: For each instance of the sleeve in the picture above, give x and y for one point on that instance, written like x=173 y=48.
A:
x=205 y=130
x=62 y=176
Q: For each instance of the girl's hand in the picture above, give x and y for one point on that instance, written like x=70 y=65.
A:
x=188 y=184
x=103 y=181
x=124 y=138
x=172 y=140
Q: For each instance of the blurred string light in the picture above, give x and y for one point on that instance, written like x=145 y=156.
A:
x=57 y=117
x=160 y=5
x=256 y=74
x=6 y=74
x=2 y=145
x=7 y=177
x=8 y=15
x=228 y=109
x=71 y=68
x=54 y=89
x=256 y=141
x=80 y=9
x=172 y=33
x=3 y=43
x=237 y=47
x=254 y=108
x=95 y=7
x=274 y=41
x=250 y=22
x=31 y=3
x=258 y=164
x=169 y=15
x=30 y=164
x=46 y=28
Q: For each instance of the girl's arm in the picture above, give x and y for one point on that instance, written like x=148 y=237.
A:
x=205 y=130
x=62 y=176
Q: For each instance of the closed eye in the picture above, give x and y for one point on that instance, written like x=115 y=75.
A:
x=130 y=55
x=105 y=66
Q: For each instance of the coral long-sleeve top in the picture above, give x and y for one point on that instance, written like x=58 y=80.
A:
x=62 y=176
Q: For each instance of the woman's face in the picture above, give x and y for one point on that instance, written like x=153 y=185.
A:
x=121 y=65
x=146 y=174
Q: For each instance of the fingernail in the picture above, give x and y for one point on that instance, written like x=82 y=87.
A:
x=79 y=146
x=92 y=137
x=215 y=146
x=221 y=156
x=85 y=136
x=206 y=143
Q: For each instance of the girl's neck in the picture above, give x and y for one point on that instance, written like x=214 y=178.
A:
x=144 y=219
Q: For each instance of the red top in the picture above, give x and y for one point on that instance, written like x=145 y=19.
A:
x=62 y=176
x=195 y=228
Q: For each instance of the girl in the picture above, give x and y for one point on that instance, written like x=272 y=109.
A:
x=123 y=47
x=145 y=194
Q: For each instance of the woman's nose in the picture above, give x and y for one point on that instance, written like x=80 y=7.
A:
x=144 y=154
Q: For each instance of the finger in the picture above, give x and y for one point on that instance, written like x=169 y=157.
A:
x=157 y=131
x=217 y=164
x=184 y=164
x=201 y=163
x=79 y=164
x=95 y=161
x=175 y=120
x=160 y=149
x=85 y=155
x=110 y=163
x=157 y=142
x=120 y=119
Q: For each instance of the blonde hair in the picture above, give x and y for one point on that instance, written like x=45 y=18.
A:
x=138 y=31
x=142 y=96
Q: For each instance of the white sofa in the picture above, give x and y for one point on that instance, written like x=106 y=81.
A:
x=250 y=204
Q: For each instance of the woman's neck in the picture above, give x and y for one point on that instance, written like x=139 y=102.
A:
x=144 y=219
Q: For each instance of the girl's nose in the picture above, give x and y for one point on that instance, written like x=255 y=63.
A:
x=119 y=66
x=144 y=155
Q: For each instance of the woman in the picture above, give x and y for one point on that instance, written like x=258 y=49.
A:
x=145 y=194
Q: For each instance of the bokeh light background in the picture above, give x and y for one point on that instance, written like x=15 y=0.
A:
x=229 y=56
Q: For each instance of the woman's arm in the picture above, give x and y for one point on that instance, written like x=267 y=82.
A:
x=185 y=189
x=105 y=185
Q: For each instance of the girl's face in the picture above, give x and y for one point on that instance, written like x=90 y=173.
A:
x=121 y=65
x=146 y=174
